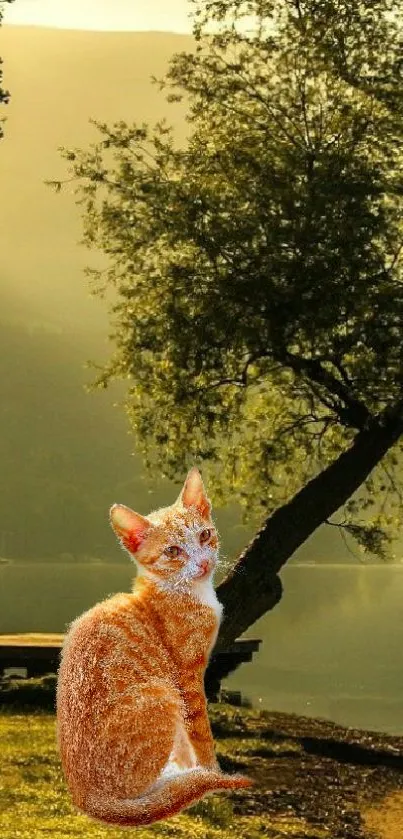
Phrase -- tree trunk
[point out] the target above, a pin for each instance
(252, 587)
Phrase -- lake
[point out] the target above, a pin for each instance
(331, 648)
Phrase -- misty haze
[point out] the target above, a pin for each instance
(67, 455)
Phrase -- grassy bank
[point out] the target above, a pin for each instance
(314, 780)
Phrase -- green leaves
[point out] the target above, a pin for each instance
(258, 269)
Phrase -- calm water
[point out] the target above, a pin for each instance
(332, 648)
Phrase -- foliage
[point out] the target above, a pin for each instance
(4, 94)
(257, 271)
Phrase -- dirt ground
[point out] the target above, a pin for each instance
(322, 779)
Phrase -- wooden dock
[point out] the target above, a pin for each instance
(39, 654)
(36, 652)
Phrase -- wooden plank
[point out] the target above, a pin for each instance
(45, 639)
(39, 652)
(243, 644)
(32, 639)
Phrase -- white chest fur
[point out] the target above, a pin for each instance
(204, 591)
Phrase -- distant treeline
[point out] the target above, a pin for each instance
(64, 453)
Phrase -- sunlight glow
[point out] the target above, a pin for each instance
(102, 15)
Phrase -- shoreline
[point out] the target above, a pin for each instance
(329, 780)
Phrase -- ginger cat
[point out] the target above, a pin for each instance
(132, 725)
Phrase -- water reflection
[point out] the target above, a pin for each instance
(332, 648)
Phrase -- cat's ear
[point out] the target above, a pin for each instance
(193, 494)
(130, 527)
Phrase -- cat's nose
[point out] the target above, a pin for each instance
(204, 566)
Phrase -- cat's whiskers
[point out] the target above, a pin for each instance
(227, 564)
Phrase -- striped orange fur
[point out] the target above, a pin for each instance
(132, 726)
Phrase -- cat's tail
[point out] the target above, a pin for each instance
(166, 797)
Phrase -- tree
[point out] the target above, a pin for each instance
(257, 273)
(4, 94)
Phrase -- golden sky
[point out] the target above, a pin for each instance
(169, 15)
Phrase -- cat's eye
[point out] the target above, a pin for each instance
(205, 536)
(172, 550)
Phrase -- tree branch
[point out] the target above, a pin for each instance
(355, 413)
(253, 580)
